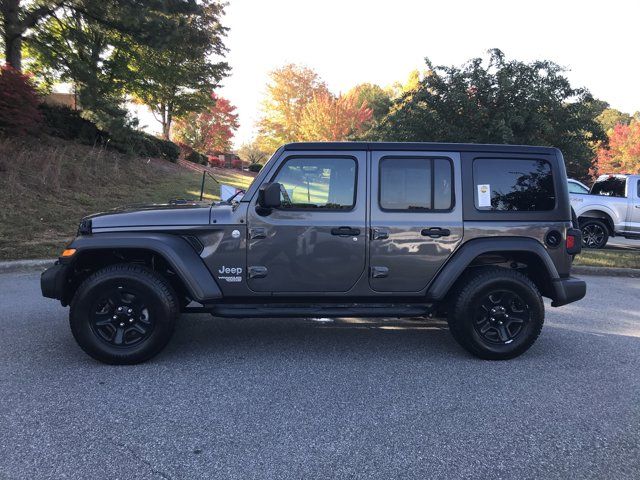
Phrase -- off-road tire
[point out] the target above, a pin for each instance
(468, 296)
(594, 226)
(156, 293)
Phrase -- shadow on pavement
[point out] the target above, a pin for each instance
(203, 335)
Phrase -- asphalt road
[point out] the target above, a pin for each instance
(294, 399)
(621, 243)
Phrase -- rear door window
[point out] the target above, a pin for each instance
(416, 184)
(504, 184)
(610, 187)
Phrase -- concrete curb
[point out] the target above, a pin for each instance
(37, 265)
(605, 271)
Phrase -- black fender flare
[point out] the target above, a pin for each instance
(463, 257)
(178, 253)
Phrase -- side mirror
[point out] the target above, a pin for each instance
(269, 195)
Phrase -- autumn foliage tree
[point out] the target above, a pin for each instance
(210, 130)
(328, 118)
(623, 152)
(19, 112)
(289, 91)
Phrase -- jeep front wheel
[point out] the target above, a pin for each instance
(123, 314)
(497, 313)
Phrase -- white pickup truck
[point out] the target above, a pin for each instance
(611, 208)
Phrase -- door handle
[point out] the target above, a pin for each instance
(637, 206)
(378, 233)
(257, 232)
(345, 232)
(435, 232)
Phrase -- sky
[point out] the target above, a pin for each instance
(352, 41)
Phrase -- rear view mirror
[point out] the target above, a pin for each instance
(269, 195)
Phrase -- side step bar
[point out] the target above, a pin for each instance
(320, 310)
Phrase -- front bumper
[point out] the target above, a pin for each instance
(53, 281)
(568, 290)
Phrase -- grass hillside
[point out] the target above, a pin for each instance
(47, 185)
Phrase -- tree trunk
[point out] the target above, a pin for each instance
(167, 118)
(13, 30)
(13, 52)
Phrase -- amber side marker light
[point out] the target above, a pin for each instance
(68, 252)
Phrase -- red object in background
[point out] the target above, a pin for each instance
(19, 102)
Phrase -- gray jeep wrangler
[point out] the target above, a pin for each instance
(476, 233)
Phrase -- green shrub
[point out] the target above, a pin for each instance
(168, 149)
(67, 123)
(255, 167)
(196, 157)
(145, 145)
(193, 156)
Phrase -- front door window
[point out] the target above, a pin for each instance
(318, 183)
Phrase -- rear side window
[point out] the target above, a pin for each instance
(416, 184)
(610, 187)
(505, 184)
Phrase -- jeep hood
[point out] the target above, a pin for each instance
(152, 215)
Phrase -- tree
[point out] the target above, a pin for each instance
(610, 117)
(153, 23)
(252, 153)
(111, 48)
(179, 78)
(397, 89)
(18, 17)
(498, 101)
(211, 130)
(290, 89)
(18, 103)
(71, 46)
(622, 155)
(374, 97)
(327, 118)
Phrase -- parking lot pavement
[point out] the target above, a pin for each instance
(621, 243)
(323, 399)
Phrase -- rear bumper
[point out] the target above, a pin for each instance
(53, 281)
(568, 290)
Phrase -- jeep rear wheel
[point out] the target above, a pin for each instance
(123, 314)
(497, 314)
(595, 233)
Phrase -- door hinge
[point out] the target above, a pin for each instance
(379, 272)
(257, 272)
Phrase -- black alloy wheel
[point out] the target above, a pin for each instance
(495, 313)
(124, 314)
(501, 317)
(121, 318)
(594, 234)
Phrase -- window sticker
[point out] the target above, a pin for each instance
(484, 195)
